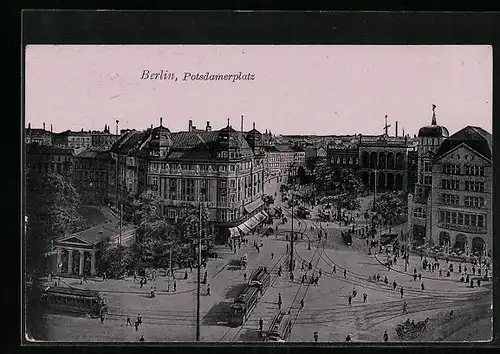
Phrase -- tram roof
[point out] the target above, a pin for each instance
(72, 291)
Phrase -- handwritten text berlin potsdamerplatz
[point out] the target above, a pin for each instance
(165, 75)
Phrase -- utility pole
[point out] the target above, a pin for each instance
(292, 235)
(169, 266)
(198, 284)
(121, 217)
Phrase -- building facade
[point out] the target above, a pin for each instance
(429, 139)
(90, 175)
(103, 139)
(45, 159)
(461, 214)
(343, 155)
(39, 136)
(223, 169)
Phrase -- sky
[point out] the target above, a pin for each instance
(313, 89)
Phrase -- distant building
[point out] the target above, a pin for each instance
(74, 140)
(343, 154)
(103, 139)
(45, 159)
(39, 136)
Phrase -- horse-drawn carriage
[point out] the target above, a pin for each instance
(411, 330)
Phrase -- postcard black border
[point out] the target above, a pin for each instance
(278, 28)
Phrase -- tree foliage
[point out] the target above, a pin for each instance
(340, 185)
(51, 211)
(391, 206)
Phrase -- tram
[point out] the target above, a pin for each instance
(260, 278)
(88, 302)
(280, 328)
(243, 306)
(303, 212)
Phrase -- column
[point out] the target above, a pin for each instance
(92, 263)
(70, 260)
(59, 256)
(82, 254)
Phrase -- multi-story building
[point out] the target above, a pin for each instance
(299, 159)
(460, 213)
(223, 169)
(74, 140)
(44, 159)
(90, 175)
(387, 158)
(272, 166)
(429, 139)
(343, 154)
(40, 136)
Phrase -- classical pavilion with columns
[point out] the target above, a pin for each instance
(77, 253)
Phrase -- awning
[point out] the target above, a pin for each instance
(234, 232)
(266, 215)
(251, 223)
(250, 207)
(243, 229)
(260, 216)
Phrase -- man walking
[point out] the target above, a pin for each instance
(402, 292)
(404, 308)
(365, 296)
(386, 336)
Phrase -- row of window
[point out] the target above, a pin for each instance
(427, 180)
(454, 184)
(450, 199)
(458, 218)
(469, 170)
(187, 167)
(420, 213)
(344, 160)
(451, 169)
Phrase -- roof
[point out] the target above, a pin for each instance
(297, 148)
(271, 148)
(433, 131)
(71, 291)
(96, 234)
(69, 132)
(37, 131)
(284, 148)
(35, 148)
(475, 138)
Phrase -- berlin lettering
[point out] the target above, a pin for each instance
(159, 75)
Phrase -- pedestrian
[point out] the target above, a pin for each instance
(141, 283)
(287, 247)
(320, 272)
(334, 269)
(402, 292)
(467, 278)
(261, 324)
(345, 273)
(102, 318)
(291, 276)
(136, 325)
(316, 336)
(279, 297)
(354, 292)
(394, 285)
(348, 338)
(303, 279)
(404, 307)
(419, 276)
(208, 289)
(422, 286)
(279, 304)
(378, 277)
(175, 285)
(245, 277)
(272, 255)
(386, 336)
(386, 281)
(479, 282)
(365, 296)
(139, 319)
(349, 300)
(440, 273)
(142, 338)
(128, 321)
(301, 304)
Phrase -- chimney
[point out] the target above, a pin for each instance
(228, 122)
(190, 125)
(242, 123)
(43, 125)
(254, 125)
(208, 128)
(117, 121)
(396, 129)
(51, 128)
(29, 125)
(161, 122)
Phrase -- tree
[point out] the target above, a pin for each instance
(391, 206)
(312, 163)
(268, 199)
(302, 176)
(51, 212)
(341, 186)
(114, 260)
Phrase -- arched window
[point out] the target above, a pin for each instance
(338, 160)
(344, 161)
(350, 160)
